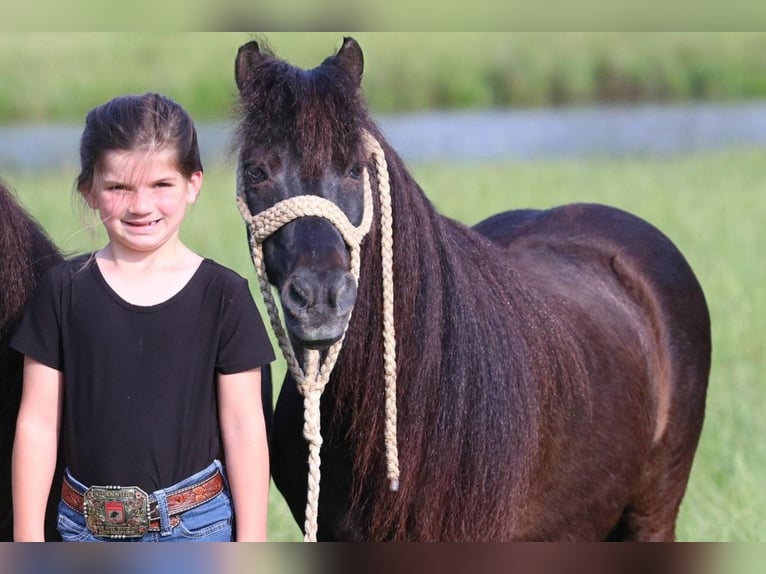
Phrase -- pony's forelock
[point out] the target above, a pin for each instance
(319, 111)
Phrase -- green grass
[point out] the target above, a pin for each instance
(60, 76)
(711, 205)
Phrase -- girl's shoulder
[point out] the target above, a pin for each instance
(228, 280)
(215, 270)
(59, 278)
(68, 268)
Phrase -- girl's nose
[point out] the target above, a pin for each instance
(141, 201)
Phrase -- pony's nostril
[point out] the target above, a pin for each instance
(342, 295)
(322, 296)
(298, 294)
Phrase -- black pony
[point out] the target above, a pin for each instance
(25, 252)
(553, 364)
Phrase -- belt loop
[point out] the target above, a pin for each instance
(162, 509)
(218, 465)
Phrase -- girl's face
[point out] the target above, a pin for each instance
(141, 198)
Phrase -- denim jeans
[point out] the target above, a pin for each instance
(211, 521)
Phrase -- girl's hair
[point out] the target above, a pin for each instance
(149, 122)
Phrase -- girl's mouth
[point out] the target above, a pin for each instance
(142, 223)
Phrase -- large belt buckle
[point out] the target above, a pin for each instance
(116, 511)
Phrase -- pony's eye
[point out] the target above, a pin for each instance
(355, 171)
(256, 175)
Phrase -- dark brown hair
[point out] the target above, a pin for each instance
(133, 122)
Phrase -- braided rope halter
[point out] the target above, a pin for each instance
(312, 379)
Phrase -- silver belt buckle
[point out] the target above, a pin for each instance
(116, 511)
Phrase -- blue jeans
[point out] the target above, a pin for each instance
(211, 521)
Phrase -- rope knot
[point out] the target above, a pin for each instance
(312, 418)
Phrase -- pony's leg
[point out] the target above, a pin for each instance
(681, 324)
(651, 515)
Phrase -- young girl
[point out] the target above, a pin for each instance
(144, 357)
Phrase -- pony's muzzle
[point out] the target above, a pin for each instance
(317, 305)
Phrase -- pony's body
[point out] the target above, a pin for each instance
(608, 455)
(552, 365)
(25, 252)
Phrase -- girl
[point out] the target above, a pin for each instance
(144, 357)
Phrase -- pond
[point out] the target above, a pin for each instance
(476, 135)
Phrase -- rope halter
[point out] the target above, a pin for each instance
(312, 378)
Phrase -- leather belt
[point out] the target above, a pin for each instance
(178, 502)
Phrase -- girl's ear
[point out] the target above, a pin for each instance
(194, 185)
(90, 197)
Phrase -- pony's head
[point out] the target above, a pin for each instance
(301, 134)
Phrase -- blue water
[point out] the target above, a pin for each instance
(476, 135)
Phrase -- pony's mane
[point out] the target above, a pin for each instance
(26, 252)
(319, 110)
(468, 367)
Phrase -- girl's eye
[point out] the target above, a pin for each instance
(256, 175)
(355, 171)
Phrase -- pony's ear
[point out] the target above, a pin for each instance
(247, 56)
(351, 59)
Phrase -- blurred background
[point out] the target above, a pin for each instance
(670, 126)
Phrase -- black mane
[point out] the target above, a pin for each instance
(318, 110)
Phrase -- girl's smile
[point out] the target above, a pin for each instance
(141, 224)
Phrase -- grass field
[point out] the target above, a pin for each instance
(60, 76)
(710, 205)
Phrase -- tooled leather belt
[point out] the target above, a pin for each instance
(178, 502)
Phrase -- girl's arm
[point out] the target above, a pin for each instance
(243, 430)
(35, 448)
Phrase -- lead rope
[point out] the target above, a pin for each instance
(312, 381)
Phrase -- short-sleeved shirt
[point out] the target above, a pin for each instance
(140, 382)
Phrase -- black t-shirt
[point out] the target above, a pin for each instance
(140, 403)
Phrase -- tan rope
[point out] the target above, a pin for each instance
(312, 381)
(389, 333)
(312, 434)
